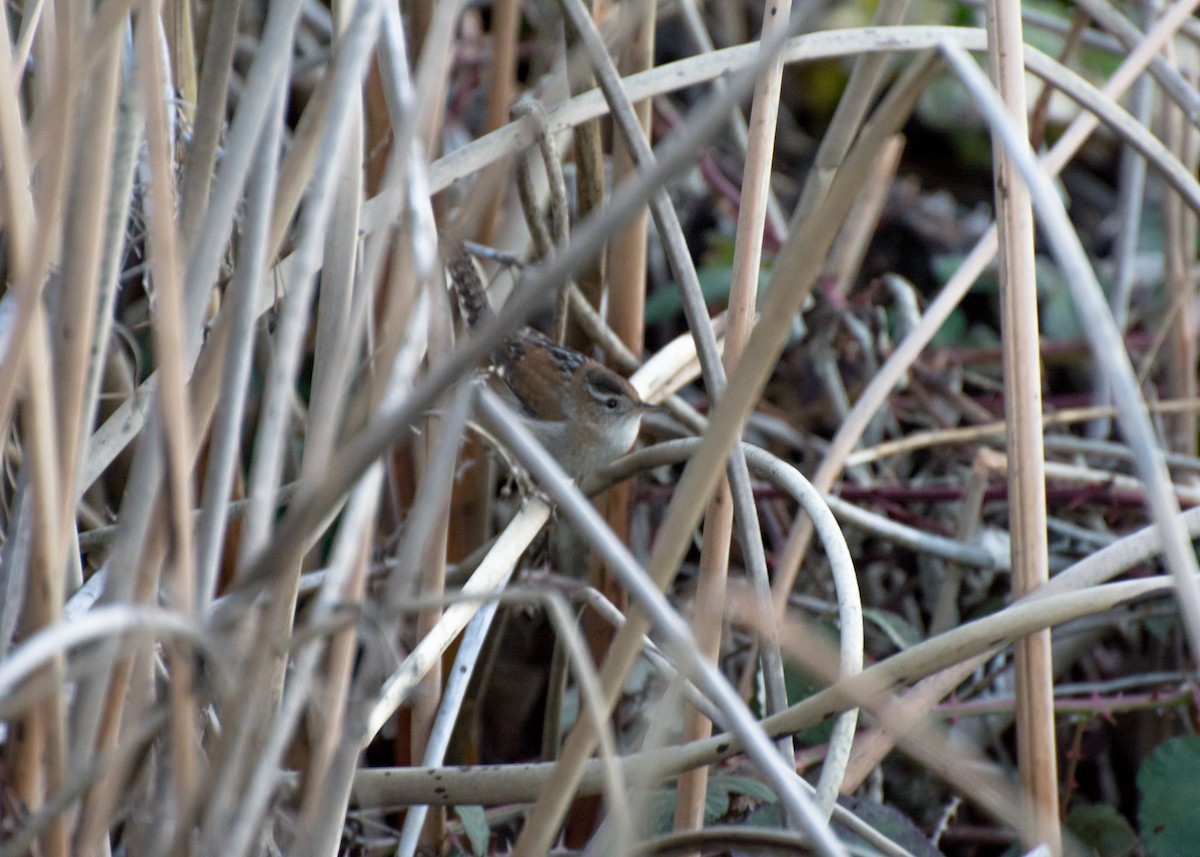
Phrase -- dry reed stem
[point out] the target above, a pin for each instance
(709, 610)
(1020, 332)
(589, 188)
(624, 266)
(1179, 255)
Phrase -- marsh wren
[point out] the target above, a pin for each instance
(585, 414)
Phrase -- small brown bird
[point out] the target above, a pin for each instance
(585, 414)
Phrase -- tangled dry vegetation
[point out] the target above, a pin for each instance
(281, 575)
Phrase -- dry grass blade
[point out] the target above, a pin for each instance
(237, 545)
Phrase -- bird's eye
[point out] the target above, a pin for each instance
(612, 403)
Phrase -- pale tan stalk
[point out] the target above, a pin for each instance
(945, 612)
(29, 225)
(299, 163)
(589, 189)
(174, 408)
(990, 431)
(1179, 257)
(861, 90)
(700, 35)
(846, 257)
(45, 749)
(624, 263)
(98, 725)
(709, 610)
(501, 91)
(42, 753)
(177, 21)
(209, 115)
(627, 250)
(77, 356)
(1036, 751)
(708, 621)
(431, 580)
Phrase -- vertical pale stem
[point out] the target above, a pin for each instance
(501, 82)
(334, 690)
(861, 90)
(589, 187)
(428, 697)
(1179, 256)
(74, 316)
(46, 720)
(707, 623)
(173, 400)
(43, 755)
(627, 256)
(208, 116)
(505, 20)
(708, 615)
(177, 23)
(1023, 413)
(626, 265)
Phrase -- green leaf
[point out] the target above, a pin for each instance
(893, 824)
(953, 331)
(1170, 791)
(714, 285)
(1058, 316)
(475, 824)
(1162, 628)
(900, 631)
(658, 810)
(1103, 828)
(734, 784)
(716, 803)
(658, 806)
(800, 685)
